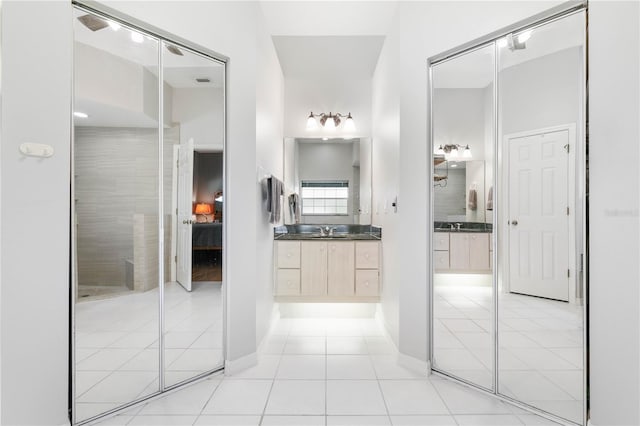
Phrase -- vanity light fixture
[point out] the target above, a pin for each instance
(331, 121)
(451, 151)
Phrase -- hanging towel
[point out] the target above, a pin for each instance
(490, 199)
(274, 193)
(473, 199)
(294, 207)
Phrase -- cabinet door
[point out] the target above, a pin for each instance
(367, 282)
(288, 254)
(479, 251)
(441, 260)
(313, 268)
(288, 282)
(367, 254)
(441, 241)
(341, 271)
(459, 251)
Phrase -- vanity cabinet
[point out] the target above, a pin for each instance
(327, 271)
(462, 251)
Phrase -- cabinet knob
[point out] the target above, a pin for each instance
(333, 248)
(288, 254)
(366, 255)
(290, 284)
(366, 283)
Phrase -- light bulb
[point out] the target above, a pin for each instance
(330, 124)
(137, 37)
(454, 152)
(349, 125)
(467, 152)
(114, 25)
(524, 36)
(312, 124)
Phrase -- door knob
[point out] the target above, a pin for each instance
(514, 222)
(185, 222)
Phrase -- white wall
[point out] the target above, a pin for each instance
(269, 159)
(35, 251)
(200, 114)
(614, 108)
(343, 96)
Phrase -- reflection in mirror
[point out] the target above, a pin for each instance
(541, 324)
(327, 181)
(462, 108)
(193, 204)
(115, 162)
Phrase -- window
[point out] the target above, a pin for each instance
(325, 197)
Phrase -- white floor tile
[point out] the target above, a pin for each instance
(198, 360)
(228, 421)
(528, 386)
(239, 397)
(423, 421)
(386, 367)
(115, 421)
(163, 420)
(293, 421)
(302, 367)
(488, 420)
(379, 346)
(119, 387)
(350, 367)
(266, 369)
(533, 420)
(412, 397)
(305, 345)
(190, 400)
(85, 380)
(346, 346)
(297, 397)
(358, 421)
(358, 397)
(462, 400)
(107, 359)
(135, 340)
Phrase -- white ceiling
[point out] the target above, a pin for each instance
(341, 18)
(328, 57)
(329, 140)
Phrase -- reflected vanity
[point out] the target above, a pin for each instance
(507, 287)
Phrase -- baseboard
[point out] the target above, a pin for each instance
(240, 364)
(413, 364)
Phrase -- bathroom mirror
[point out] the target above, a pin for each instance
(116, 238)
(541, 302)
(330, 178)
(149, 215)
(193, 213)
(462, 114)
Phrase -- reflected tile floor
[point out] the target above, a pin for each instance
(117, 355)
(540, 343)
(326, 372)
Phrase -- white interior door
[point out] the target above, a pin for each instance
(185, 194)
(538, 215)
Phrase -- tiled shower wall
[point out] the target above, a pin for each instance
(117, 205)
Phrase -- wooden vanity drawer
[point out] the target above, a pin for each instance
(367, 282)
(441, 241)
(367, 254)
(288, 254)
(288, 282)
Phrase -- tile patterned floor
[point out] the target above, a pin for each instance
(117, 354)
(540, 345)
(329, 372)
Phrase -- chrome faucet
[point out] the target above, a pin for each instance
(453, 228)
(458, 225)
(326, 231)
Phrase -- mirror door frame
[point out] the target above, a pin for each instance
(162, 37)
(579, 257)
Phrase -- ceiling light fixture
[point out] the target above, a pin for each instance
(522, 37)
(451, 151)
(331, 121)
(80, 114)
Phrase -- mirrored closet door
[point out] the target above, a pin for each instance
(148, 203)
(508, 204)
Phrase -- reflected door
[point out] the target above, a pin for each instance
(185, 197)
(538, 212)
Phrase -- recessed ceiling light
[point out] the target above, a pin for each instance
(80, 114)
(137, 37)
(114, 25)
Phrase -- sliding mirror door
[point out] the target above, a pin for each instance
(541, 297)
(463, 161)
(116, 198)
(193, 191)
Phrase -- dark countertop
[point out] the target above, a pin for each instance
(337, 237)
(472, 227)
